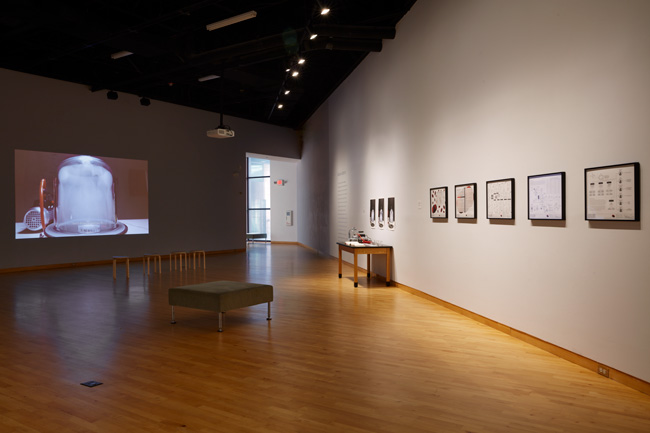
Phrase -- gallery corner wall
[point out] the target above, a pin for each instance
(475, 91)
(196, 183)
(314, 191)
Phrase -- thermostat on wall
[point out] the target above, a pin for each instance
(289, 218)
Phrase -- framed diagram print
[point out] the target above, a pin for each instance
(438, 203)
(500, 199)
(373, 214)
(546, 194)
(391, 213)
(465, 200)
(612, 193)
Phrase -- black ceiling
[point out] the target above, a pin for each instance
(73, 41)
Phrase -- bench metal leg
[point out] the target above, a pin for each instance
(221, 321)
(173, 320)
(268, 316)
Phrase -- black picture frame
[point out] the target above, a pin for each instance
(547, 196)
(465, 200)
(613, 192)
(500, 199)
(438, 202)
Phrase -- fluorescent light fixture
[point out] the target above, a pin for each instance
(208, 77)
(228, 21)
(120, 54)
(325, 11)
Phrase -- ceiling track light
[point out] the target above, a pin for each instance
(208, 77)
(112, 95)
(120, 54)
(295, 73)
(232, 20)
(325, 11)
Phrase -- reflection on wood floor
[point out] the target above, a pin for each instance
(333, 359)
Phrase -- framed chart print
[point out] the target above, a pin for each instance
(438, 203)
(546, 194)
(612, 193)
(465, 200)
(500, 199)
(373, 214)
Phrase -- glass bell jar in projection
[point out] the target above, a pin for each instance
(84, 202)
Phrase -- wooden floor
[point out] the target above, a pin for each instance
(333, 359)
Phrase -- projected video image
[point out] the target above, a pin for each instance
(61, 195)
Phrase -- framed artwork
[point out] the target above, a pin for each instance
(500, 199)
(391, 213)
(546, 196)
(612, 193)
(373, 214)
(465, 200)
(438, 203)
(380, 210)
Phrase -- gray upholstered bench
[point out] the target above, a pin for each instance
(221, 296)
(253, 236)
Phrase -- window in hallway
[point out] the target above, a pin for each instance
(259, 196)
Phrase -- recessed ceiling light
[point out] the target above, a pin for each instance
(286, 92)
(325, 11)
(280, 106)
(314, 36)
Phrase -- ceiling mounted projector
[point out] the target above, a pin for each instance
(221, 132)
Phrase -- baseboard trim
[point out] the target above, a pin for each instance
(307, 247)
(614, 374)
(99, 262)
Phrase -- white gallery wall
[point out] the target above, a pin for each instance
(472, 91)
(196, 184)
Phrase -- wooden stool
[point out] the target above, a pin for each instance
(180, 255)
(115, 259)
(147, 257)
(199, 253)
